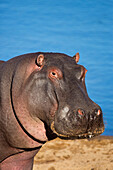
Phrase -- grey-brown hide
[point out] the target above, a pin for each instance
(42, 96)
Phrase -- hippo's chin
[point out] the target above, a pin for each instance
(78, 136)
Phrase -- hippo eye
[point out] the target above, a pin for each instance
(83, 72)
(54, 73)
(80, 72)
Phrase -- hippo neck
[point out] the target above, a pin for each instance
(20, 160)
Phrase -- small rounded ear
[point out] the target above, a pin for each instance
(40, 61)
(76, 57)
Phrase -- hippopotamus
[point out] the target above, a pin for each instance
(43, 96)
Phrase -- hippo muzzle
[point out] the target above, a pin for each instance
(78, 123)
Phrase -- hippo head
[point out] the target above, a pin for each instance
(54, 92)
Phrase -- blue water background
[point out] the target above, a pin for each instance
(66, 26)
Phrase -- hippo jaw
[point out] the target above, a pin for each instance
(78, 136)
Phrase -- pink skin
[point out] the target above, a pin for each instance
(21, 161)
(36, 127)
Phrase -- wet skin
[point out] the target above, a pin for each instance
(42, 96)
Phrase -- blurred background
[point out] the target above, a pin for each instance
(65, 26)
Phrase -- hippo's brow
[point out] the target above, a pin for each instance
(38, 76)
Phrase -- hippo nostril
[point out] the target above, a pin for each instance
(97, 112)
(81, 112)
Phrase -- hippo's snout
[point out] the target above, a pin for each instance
(78, 123)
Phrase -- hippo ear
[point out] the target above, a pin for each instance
(76, 57)
(40, 61)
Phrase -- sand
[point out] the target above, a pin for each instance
(83, 154)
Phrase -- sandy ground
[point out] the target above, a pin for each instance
(96, 154)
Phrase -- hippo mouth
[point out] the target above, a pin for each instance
(78, 136)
